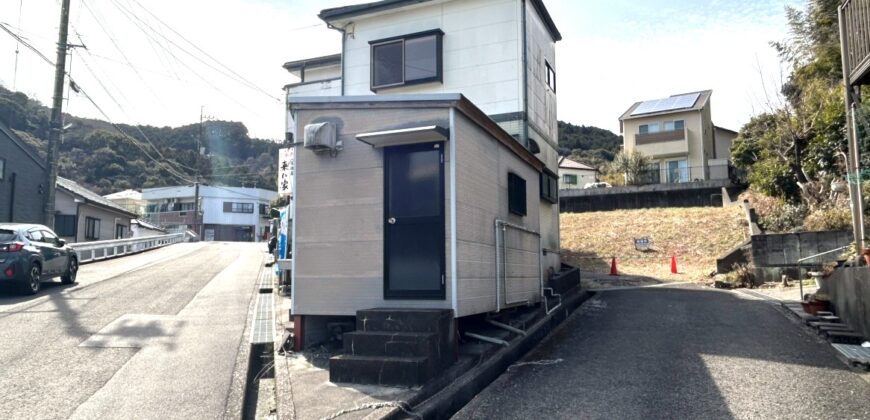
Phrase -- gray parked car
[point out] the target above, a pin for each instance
(30, 254)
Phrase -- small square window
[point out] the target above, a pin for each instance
(516, 194)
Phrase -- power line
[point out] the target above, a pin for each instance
(237, 78)
(80, 90)
(248, 82)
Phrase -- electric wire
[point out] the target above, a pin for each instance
(242, 78)
(132, 139)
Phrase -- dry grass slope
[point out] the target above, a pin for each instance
(696, 236)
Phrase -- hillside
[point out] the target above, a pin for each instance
(96, 154)
(696, 236)
(591, 145)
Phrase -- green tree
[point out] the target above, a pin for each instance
(632, 164)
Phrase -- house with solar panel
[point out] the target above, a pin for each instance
(426, 187)
(678, 133)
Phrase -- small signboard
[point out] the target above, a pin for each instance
(643, 244)
(286, 158)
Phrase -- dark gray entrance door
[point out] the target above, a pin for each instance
(414, 222)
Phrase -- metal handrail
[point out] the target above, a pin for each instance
(100, 250)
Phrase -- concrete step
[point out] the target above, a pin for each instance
(379, 370)
(404, 320)
(397, 344)
(845, 337)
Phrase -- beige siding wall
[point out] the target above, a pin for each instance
(339, 216)
(723, 140)
(699, 138)
(482, 168)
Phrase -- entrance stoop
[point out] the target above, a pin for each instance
(396, 347)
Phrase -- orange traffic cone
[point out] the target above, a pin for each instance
(673, 264)
(613, 267)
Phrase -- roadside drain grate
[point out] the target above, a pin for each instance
(262, 328)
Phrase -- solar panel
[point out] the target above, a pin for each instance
(667, 104)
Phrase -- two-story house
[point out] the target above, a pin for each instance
(426, 164)
(678, 133)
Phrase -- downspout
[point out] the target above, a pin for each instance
(12, 197)
(525, 79)
(343, 38)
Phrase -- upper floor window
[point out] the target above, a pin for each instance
(551, 76)
(649, 128)
(516, 194)
(230, 207)
(406, 60)
(674, 125)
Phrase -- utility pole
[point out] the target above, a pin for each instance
(196, 218)
(54, 136)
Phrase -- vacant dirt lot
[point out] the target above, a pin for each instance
(696, 236)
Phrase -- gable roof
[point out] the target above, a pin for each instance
(133, 194)
(7, 132)
(703, 100)
(566, 163)
(91, 197)
(726, 129)
(345, 12)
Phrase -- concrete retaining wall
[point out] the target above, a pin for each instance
(699, 194)
(849, 289)
(785, 249)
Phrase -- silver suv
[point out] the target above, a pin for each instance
(30, 254)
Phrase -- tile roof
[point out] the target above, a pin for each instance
(570, 164)
(90, 196)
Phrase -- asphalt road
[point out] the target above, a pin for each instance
(680, 352)
(154, 335)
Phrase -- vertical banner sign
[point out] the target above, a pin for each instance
(282, 235)
(285, 171)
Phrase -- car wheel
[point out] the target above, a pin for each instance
(71, 270)
(32, 281)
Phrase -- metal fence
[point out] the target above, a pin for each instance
(100, 250)
(678, 175)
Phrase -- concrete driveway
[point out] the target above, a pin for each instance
(676, 352)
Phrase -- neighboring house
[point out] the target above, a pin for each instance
(574, 175)
(677, 132)
(22, 175)
(83, 215)
(141, 228)
(128, 199)
(724, 139)
(452, 103)
(227, 213)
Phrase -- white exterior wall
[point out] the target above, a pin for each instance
(542, 100)
(584, 176)
(481, 51)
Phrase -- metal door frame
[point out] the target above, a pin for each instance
(440, 294)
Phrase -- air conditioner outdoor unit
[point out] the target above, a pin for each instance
(321, 137)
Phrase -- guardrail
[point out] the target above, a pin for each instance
(100, 250)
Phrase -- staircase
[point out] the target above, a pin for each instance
(396, 347)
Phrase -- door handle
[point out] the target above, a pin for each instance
(391, 220)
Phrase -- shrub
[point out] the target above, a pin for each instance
(741, 275)
(834, 218)
(786, 218)
(764, 205)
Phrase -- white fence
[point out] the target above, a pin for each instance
(100, 250)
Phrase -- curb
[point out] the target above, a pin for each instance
(450, 393)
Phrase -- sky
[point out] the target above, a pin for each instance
(162, 62)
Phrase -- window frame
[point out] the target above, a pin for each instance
(570, 179)
(92, 228)
(68, 219)
(2, 169)
(673, 123)
(439, 58)
(551, 81)
(517, 185)
(121, 231)
(238, 207)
